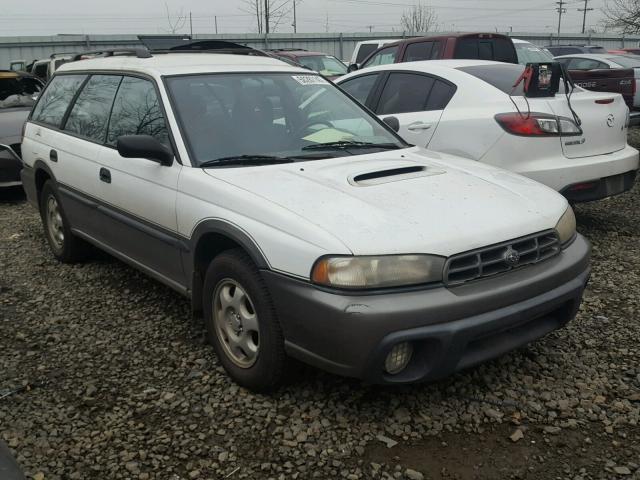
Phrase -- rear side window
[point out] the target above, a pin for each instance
(441, 93)
(360, 87)
(56, 99)
(137, 111)
(366, 50)
(405, 92)
(383, 57)
(419, 51)
(498, 49)
(586, 64)
(90, 113)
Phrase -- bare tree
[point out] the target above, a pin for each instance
(622, 15)
(419, 18)
(268, 13)
(177, 23)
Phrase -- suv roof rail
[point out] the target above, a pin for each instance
(62, 54)
(138, 52)
(214, 46)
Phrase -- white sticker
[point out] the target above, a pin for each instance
(309, 79)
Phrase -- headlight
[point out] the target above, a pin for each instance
(377, 271)
(566, 226)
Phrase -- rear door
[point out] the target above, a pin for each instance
(417, 100)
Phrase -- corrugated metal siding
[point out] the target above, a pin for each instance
(340, 45)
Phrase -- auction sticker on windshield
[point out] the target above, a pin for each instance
(309, 79)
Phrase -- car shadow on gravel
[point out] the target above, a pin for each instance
(12, 195)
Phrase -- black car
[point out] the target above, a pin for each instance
(18, 93)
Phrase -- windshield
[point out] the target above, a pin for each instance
(530, 53)
(283, 115)
(625, 61)
(17, 91)
(325, 64)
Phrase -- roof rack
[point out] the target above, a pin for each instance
(138, 52)
(287, 49)
(62, 54)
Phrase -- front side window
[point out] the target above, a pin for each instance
(18, 91)
(266, 117)
(90, 113)
(360, 87)
(405, 92)
(324, 64)
(385, 56)
(365, 50)
(137, 111)
(56, 99)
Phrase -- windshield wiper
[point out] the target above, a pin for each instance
(350, 144)
(246, 160)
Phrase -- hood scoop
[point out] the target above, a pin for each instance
(391, 175)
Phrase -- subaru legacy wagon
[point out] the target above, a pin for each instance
(299, 224)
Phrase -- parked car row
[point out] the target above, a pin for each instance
(380, 227)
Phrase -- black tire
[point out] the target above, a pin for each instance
(268, 370)
(69, 248)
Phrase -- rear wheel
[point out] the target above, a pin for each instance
(241, 322)
(65, 246)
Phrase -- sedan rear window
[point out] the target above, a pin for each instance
(502, 77)
(17, 91)
(625, 61)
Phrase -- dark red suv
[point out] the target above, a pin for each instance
(483, 46)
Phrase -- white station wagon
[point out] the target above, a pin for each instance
(299, 224)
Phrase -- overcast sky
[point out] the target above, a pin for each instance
(49, 17)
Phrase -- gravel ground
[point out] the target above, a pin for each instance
(121, 385)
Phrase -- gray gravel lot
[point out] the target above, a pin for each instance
(120, 384)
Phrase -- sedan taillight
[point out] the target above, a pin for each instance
(537, 125)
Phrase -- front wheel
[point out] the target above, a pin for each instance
(242, 324)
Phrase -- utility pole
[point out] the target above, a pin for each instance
(295, 23)
(584, 14)
(370, 27)
(190, 24)
(215, 21)
(560, 10)
(266, 16)
(326, 25)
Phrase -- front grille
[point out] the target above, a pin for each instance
(500, 258)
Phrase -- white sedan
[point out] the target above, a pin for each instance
(470, 108)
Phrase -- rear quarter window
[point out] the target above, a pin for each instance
(56, 98)
(498, 49)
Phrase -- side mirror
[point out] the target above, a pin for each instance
(393, 122)
(144, 146)
(353, 67)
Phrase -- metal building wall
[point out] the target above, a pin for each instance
(339, 44)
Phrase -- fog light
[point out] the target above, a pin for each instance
(398, 358)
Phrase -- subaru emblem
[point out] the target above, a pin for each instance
(511, 257)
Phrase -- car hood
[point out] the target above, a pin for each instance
(404, 201)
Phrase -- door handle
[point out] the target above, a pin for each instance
(105, 175)
(418, 126)
(53, 156)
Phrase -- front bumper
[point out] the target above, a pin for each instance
(10, 166)
(451, 329)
